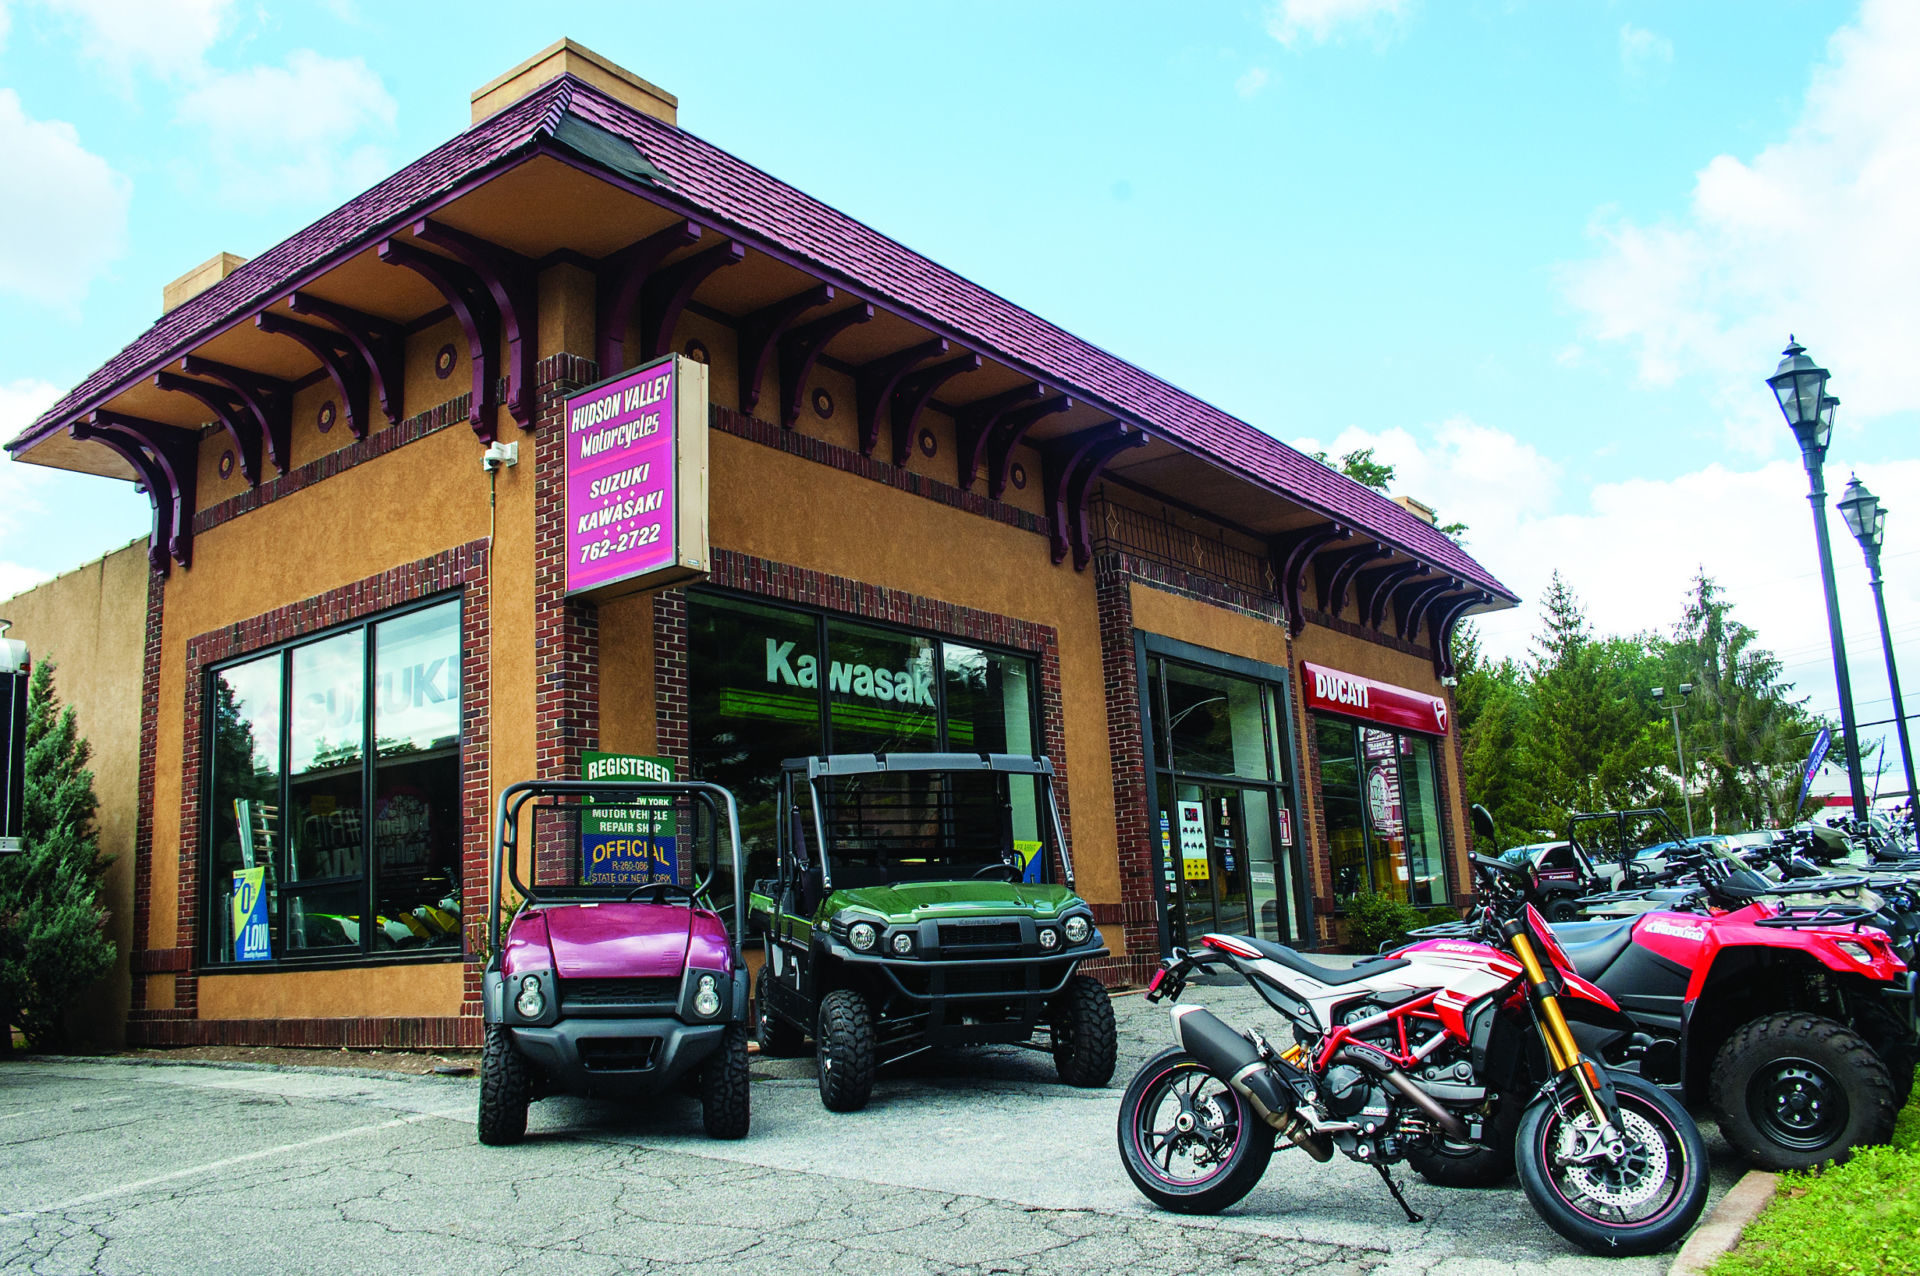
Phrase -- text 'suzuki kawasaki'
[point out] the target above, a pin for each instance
(1405, 1057)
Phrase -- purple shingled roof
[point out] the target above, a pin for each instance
(734, 192)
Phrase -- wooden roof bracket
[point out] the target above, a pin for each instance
(234, 417)
(622, 276)
(801, 348)
(269, 399)
(508, 279)
(1288, 554)
(875, 381)
(760, 334)
(336, 354)
(479, 319)
(167, 458)
(974, 425)
(1007, 435)
(381, 345)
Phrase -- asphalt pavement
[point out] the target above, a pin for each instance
(974, 1161)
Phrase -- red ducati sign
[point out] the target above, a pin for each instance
(1331, 691)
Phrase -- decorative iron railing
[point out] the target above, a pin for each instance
(1160, 538)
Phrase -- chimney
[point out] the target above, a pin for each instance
(198, 280)
(564, 57)
(1422, 512)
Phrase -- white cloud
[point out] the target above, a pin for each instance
(1318, 21)
(65, 216)
(1251, 82)
(1814, 235)
(20, 403)
(168, 38)
(297, 131)
(1644, 54)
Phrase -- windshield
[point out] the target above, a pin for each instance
(919, 826)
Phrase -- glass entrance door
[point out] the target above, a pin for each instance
(1218, 833)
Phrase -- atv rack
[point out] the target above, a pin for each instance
(1797, 916)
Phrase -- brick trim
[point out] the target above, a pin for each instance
(159, 1028)
(1366, 633)
(157, 961)
(464, 568)
(1138, 913)
(377, 444)
(149, 742)
(566, 631)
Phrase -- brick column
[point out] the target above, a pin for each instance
(566, 634)
(1139, 909)
(143, 815)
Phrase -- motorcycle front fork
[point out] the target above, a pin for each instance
(1563, 1053)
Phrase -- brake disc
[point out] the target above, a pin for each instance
(1638, 1176)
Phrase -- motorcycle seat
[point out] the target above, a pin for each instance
(1592, 946)
(1326, 974)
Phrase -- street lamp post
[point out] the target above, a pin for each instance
(1800, 385)
(1867, 520)
(1659, 695)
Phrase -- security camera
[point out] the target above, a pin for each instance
(499, 456)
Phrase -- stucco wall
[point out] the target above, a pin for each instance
(92, 623)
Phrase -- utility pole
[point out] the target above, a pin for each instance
(1659, 697)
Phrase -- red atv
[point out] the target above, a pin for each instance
(1794, 1023)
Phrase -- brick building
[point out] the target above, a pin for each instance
(356, 633)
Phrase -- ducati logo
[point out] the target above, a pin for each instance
(1440, 712)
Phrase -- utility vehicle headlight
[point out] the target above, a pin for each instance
(1049, 938)
(1077, 929)
(531, 1003)
(706, 997)
(903, 943)
(863, 936)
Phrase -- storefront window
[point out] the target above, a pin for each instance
(1383, 823)
(336, 841)
(768, 683)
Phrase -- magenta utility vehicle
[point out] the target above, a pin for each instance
(617, 977)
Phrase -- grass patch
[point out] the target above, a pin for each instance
(1859, 1218)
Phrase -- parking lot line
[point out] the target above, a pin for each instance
(225, 1163)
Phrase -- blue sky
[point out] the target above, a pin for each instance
(1539, 254)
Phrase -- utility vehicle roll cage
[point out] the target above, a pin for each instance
(840, 765)
(503, 867)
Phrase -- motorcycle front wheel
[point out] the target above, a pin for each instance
(1639, 1206)
(1190, 1144)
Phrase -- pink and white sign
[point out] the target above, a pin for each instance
(630, 476)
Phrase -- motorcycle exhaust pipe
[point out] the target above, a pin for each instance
(1367, 1058)
(1232, 1058)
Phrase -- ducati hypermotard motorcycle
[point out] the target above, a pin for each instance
(1410, 1056)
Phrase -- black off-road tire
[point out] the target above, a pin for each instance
(778, 1039)
(1894, 1043)
(1562, 909)
(1777, 1061)
(506, 1088)
(845, 1051)
(1085, 1042)
(1449, 1164)
(724, 1100)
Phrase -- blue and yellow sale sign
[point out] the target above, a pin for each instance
(632, 844)
(252, 937)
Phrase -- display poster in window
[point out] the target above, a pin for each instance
(636, 480)
(1286, 827)
(1028, 853)
(633, 843)
(1166, 846)
(1383, 798)
(1195, 867)
(252, 937)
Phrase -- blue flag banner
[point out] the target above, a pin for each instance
(1815, 757)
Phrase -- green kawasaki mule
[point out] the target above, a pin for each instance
(914, 909)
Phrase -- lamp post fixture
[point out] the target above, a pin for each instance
(1659, 696)
(1800, 385)
(1867, 520)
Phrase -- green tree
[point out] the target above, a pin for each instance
(52, 924)
(1746, 735)
(1360, 466)
(1493, 712)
